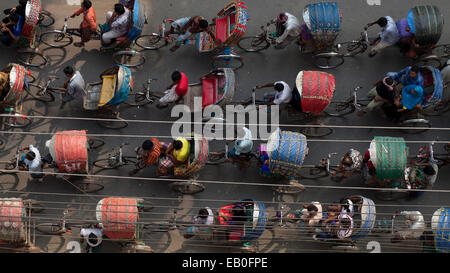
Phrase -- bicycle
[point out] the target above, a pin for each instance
(143, 97)
(45, 18)
(61, 227)
(44, 92)
(115, 160)
(426, 154)
(14, 118)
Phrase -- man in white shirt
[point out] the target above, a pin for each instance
(389, 35)
(118, 21)
(288, 28)
(73, 87)
(415, 226)
(93, 238)
(32, 162)
(283, 95)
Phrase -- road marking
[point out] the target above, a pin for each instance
(74, 247)
(78, 2)
(374, 2)
(374, 246)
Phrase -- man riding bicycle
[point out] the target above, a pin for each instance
(288, 30)
(89, 24)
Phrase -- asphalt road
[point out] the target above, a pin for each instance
(260, 68)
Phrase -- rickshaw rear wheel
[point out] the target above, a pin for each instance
(129, 58)
(421, 123)
(89, 187)
(190, 187)
(328, 60)
(31, 58)
(339, 108)
(438, 109)
(352, 48)
(56, 38)
(430, 60)
(50, 228)
(151, 42)
(316, 131)
(293, 187)
(216, 158)
(95, 142)
(137, 99)
(45, 19)
(119, 124)
(228, 61)
(35, 91)
(253, 43)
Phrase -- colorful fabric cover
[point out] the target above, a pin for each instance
(17, 81)
(367, 219)
(194, 165)
(123, 86)
(138, 16)
(440, 223)
(12, 220)
(286, 150)
(71, 151)
(316, 90)
(32, 12)
(426, 22)
(433, 85)
(324, 22)
(389, 157)
(119, 217)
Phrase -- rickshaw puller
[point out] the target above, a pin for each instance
(288, 30)
(388, 36)
(74, 86)
(89, 24)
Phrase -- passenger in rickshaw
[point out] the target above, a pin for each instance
(31, 161)
(118, 22)
(312, 214)
(176, 154)
(147, 155)
(89, 24)
(340, 228)
(415, 225)
(283, 95)
(176, 91)
(408, 76)
(243, 146)
(19, 10)
(288, 30)
(412, 97)
(233, 216)
(11, 30)
(351, 162)
(205, 217)
(388, 36)
(382, 93)
(93, 237)
(73, 87)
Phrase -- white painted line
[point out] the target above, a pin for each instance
(78, 2)
(374, 2)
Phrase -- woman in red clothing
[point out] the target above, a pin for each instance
(89, 24)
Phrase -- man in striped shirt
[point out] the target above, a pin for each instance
(147, 155)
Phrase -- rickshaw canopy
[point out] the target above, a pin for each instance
(139, 19)
(389, 156)
(71, 151)
(118, 216)
(286, 151)
(12, 220)
(323, 21)
(440, 223)
(433, 85)
(17, 82)
(316, 90)
(426, 22)
(367, 221)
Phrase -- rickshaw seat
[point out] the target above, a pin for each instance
(108, 89)
(209, 91)
(222, 28)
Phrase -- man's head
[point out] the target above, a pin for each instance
(69, 71)
(87, 4)
(23, 3)
(203, 24)
(119, 9)
(428, 170)
(14, 18)
(30, 156)
(414, 72)
(176, 76)
(177, 144)
(382, 22)
(282, 17)
(147, 145)
(203, 213)
(312, 209)
(279, 87)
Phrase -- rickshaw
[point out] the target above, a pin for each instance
(105, 96)
(363, 222)
(119, 219)
(401, 226)
(16, 224)
(28, 53)
(125, 54)
(69, 153)
(229, 26)
(440, 224)
(13, 95)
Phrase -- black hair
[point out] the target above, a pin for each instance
(30, 156)
(428, 170)
(87, 4)
(415, 68)
(382, 22)
(147, 145)
(177, 144)
(119, 9)
(176, 76)
(389, 81)
(311, 207)
(68, 70)
(203, 24)
(279, 87)
(14, 17)
(23, 2)
(203, 213)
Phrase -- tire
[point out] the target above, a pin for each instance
(430, 60)
(45, 19)
(56, 38)
(31, 58)
(324, 60)
(89, 187)
(253, 43)
(7, 184)
(339, 108)
(120, 124)
(129, 58)
(18, 121)
(151, 42)
(8, 166)
(137, 99)
(316, 131)
(34, 91)
(352, 48)
(438, 109)
(50, 228)
(313, 173)
(228, 61)
(422, 123)
(292, 188)
(391, 195)
(107, 164)
(216, 158)
(190, 187)
(95, 142)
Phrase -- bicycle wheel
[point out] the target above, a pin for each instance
(56, 38)
(129, 58)
(151, 41)
(438, 109)
(423, 124)
(216, 158)
(137, 99)
(31, 58)
(8, 181)
(36, 92)
(292, 188)
(253, 43)
(30, 78)
(316, 131)
(391, 195)
(118, 123)
(313, 173)
(228, 61)
(89, 186)
(50, 228)
(328, 60)
(190, 187)
(352, 48)
(108, 163)
(339, 108)
(45, 19)
(95, 142)
(430, 60)
(17, 121)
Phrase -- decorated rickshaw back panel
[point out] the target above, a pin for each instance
(119, 217)
(227, 84)
(32, 11)
(200, 157)
(367, 220)
(16, 83)
(138, 18)
(433, 85)
(391, 157)
(123, 86)
(316, 90)
(442, 233)
(257, 220)
(288, 154)
(71, 151)
(426, 22)
(12, 220)
(324, 22)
